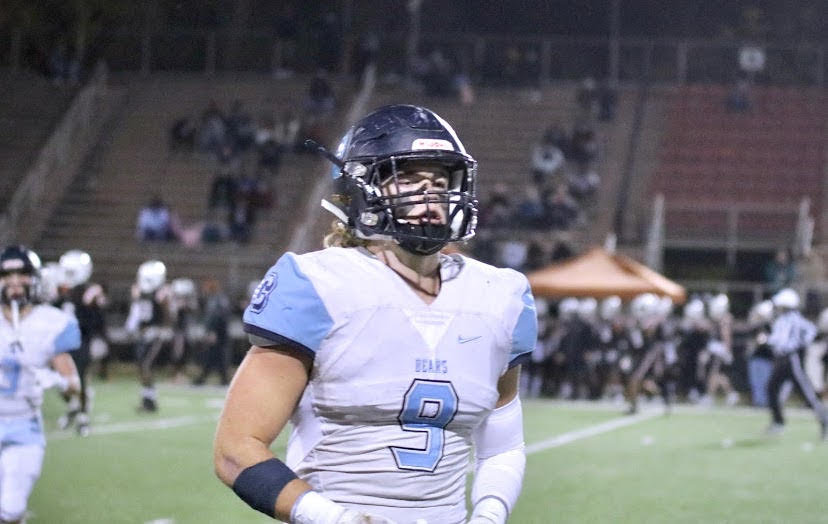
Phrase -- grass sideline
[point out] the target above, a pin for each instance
(692, 466)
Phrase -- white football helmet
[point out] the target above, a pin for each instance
(587, 308)
(694, 310)
(718, 306)
(644, 306)
(151, 275)
(568, 308)
(611, 307)
(183, 288)
(761, 313)
(77, 267)
(51, 278)
(665, 307)
(786, 299)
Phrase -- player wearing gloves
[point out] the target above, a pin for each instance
(34, 341)
(392, 361)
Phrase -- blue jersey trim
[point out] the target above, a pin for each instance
(286, 306)
(525, 333)
(278, 340)
(523, 358)
(69, 339)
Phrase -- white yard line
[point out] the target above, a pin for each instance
(589, 431)
(137, 425)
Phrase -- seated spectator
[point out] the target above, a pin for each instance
(780, 272)
(607, 102)
(561, 210)
(497, 211)
(584, 147)
(548, 156)
(320, 101)
(529, 211)
(240, 127)
(154, 221)
(212, 129)
(586, 98)
(738, 100)
(182, 135)
(583, 184)
(268, 148)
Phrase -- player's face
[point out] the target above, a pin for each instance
(426, 184)
(15, 286)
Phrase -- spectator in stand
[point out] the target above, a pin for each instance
(268, 147)
(548, 156)
(529, 212)
(586, 98)
(225, 182)
(780, 272)
(288, 131)
(497, 212)
(738, 99)
(155, 221)
(584, 148)
(561, 210)
(240, 129)
(607, 102)
(213, 129)
(182, 135)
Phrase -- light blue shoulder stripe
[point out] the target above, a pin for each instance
(525, 332)
(286, 305)
(69, 339)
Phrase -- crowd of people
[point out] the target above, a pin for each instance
(699, 353)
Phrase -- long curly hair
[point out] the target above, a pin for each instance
(341, 236)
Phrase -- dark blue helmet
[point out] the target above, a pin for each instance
(376, 150)
(19, 259)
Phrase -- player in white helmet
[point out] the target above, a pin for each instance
(759, 353)
(616, 348)
(35, 339)
(148, 322)
(87, 301)
(720, 351)
(790, 335)
(183, 310)
(651, 370)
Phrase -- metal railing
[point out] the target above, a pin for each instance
(56, 163)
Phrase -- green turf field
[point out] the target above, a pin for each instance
(693, 466)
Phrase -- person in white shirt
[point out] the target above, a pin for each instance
(34, 341)
(392, 360)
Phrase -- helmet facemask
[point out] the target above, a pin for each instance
(423, 200)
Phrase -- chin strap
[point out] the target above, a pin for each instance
(423, 239)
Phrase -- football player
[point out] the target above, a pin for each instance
(86, 301)
(392, 360)
(146, 321)
(34, 341)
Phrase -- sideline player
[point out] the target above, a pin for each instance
(391, 359)
(34, 341)
(86, 301)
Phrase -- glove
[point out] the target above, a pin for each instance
(489, 511)
(313, 508)
(47, 378)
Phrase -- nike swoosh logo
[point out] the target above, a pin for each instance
(462, 340)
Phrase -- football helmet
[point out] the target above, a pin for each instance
(786, 299)
(183, 288)
(611, 307)
(568, 308)
(369, 198)
(151, 275)
(52, 276)
(77, 267)
(718, 306)
(644, 307)
(20, 259)
(587, 308)
(694, 310)
(761, 313)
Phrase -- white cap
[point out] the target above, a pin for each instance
(151, 275)
(77, 267)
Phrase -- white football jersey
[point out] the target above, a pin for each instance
(43, 333)
(397, 386)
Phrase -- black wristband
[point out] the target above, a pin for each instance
(260, 484)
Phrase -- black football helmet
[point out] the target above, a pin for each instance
(19, 259)
(375, 151)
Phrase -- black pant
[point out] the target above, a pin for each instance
(789, 367)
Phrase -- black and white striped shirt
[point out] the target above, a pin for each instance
(791, 332)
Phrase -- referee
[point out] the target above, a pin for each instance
(790, 335)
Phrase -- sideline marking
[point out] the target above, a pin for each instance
(590, 431)
(137, 425)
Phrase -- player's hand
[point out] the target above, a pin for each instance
(489, 511)
(47, 378)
